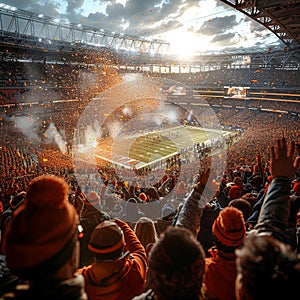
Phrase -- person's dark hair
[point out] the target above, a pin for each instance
(243, 205)
(176, 265)
(220, 246)
(268, 269)
(152, 193)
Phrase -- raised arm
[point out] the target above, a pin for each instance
(192, 209)
(275, 209)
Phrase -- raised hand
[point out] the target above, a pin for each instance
(283, 163)
(203, 181)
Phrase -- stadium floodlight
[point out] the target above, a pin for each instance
(56, 20)
(40, 15)
(79, 25)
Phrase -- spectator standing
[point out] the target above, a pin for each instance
(229, 231)
(120, 263)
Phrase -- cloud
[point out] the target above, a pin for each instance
(96, 19)
(170, 25)
(142, 17)
(74, 5)
(224, 39)
(255, 26)
(49, 8)
(218, 25)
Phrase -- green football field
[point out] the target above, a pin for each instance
(141, 149)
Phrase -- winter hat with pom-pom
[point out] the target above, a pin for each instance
(229, 227)
(43, 230)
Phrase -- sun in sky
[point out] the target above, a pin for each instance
(183, 43)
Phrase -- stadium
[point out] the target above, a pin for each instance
(120, 115)
(243, 85)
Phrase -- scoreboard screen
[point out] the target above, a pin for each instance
(236, 92)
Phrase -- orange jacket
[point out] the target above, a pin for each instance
(220, 275)
(130, 278)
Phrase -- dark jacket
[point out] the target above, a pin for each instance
(275, 210)
(191, 211)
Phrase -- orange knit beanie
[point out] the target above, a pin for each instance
(41, 227)
(229, 227)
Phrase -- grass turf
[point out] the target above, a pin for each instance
(149, 147)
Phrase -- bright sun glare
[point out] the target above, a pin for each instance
(184, 44)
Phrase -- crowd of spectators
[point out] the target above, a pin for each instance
(33, 81)
(206, 251)
(253, 77)
(144, 208)
(23, 158)
(280, 108)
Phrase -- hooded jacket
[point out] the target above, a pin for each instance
(118, 279)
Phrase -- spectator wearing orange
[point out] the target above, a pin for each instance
(229, 231)
(120, 263)
(41, 243)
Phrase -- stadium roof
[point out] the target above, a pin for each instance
(280, 17)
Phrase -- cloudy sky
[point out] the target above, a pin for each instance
(189, 25)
